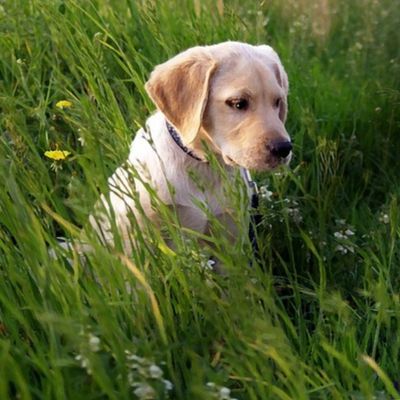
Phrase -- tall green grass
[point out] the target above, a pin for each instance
(317, 317)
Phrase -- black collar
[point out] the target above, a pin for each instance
(177, 139)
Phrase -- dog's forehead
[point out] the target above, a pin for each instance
(240, 73)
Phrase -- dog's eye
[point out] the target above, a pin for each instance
(239, 103)
(277, 102)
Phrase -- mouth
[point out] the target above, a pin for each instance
(286, 160)
(274, 162)
(269, 163)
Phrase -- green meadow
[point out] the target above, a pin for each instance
(315, 316)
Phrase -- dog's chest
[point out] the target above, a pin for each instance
(199, 200)
(193, 187)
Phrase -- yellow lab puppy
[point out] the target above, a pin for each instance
(230, 98)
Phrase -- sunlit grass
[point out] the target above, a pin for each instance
(316, 316)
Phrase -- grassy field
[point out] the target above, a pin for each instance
(318, 317)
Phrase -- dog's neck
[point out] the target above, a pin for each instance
(177, 139)
(198, 148)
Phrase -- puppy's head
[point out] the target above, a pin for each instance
(231, 95)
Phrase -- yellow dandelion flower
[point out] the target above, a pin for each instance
(63, 104)
(57, 155)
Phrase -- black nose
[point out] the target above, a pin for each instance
(280, 149)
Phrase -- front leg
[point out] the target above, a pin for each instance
(229, 227)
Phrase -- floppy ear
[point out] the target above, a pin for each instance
(179, 88)
(280, 75)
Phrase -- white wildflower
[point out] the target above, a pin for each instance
(224, 393)
(94, 342)
(141, 375)
(341, 249)
(343, 235)
(358, 46)
(209, 265)
(168, 384)
(339, 235)
(133, 357)
(84, 363)
(219, 392)
(155, 371)
(384, 218)
(144, 391)
(295, 214)
(344, 249)
(131, 378)
(265, 193)
(206, 263)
